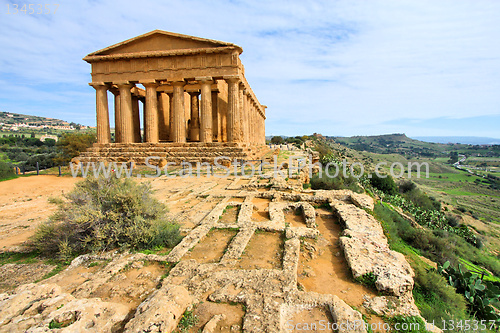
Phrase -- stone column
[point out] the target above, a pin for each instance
(252, 122)
(102, 112)
(136, 118)
(206, 109)
(256, 129)
(151, 132)
(233, 115)
(178, 130)
(163, 116)
(126, 120)
(162, 129)
(241, 110)
(246, 116)
(194, 124)
(216, 137)
(262, 136)
(264, 124)
(255, 118)
(170, 115)
(116, 93)
(222, 101)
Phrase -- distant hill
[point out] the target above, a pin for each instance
(409, 148)
(16, 118)
(397, 143)
(471, 140)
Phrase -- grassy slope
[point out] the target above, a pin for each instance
(454, 188)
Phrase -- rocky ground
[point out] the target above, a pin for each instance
(259, 255)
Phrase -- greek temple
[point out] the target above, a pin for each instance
(196, 101)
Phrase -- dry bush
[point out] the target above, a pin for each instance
(100, 214)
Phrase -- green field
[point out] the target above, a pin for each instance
(27, 134)
(460, 176)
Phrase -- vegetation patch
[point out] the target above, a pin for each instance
(435, 299)
(482, 296)
(408, 324)
(188, 320)
(6, 171)
(368, 280)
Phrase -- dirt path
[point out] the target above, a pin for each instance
(24, 205)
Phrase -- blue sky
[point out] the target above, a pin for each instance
(425, 68)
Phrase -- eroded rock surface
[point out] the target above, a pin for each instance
(130, 293)
(367, 251)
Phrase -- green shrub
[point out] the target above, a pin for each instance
(72, 144)
(422, 200)
(277, 140)
(406, 186)
(482, 296)
(368, 280)
(45, 161)
(188, 320)
(436, 299)
(335, 183)
(100, 214)
(384, 183)
(6, 171)
(452, 220)
(407, 324)
(326, 183)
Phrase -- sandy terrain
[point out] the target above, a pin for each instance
(24, 204)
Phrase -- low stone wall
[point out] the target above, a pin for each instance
(367, 251)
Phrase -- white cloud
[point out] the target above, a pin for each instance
(345, 67)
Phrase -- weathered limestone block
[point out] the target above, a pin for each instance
(357, 221)
(245, 213)
(304, 175)
(276, 213)
(366, 251)
(33, 307)
(362, 200)
(238, 244)
(197, 233)
(23, 297)
(394, 274)
(279, 183)
(391, 306)
(161, 312)
(291, 255)
(301, 232)
(86, 315)
(104, 275)
(212, 323)
(309, 214)
(348, 320)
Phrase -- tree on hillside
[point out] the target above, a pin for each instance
(6, 171)
(72, 144)
(453, 157)
(384, 183)
(277, 140)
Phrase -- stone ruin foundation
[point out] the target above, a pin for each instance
(224, 288)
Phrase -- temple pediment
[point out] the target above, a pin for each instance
(161, 41)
